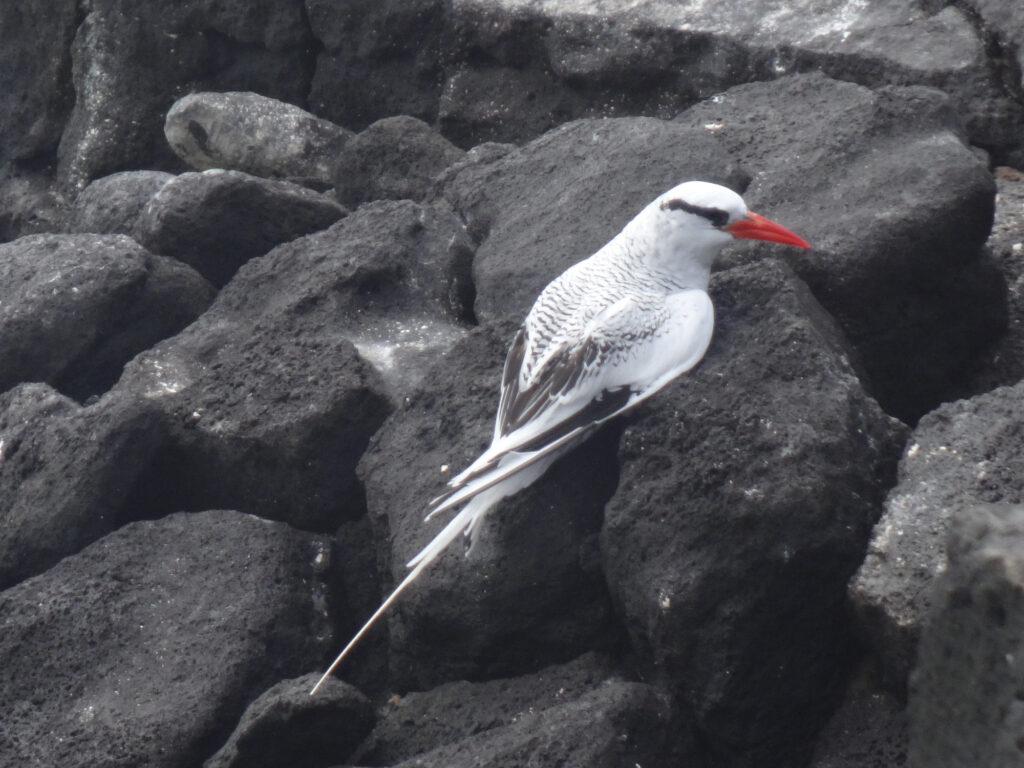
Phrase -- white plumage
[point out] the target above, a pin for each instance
(607, 333)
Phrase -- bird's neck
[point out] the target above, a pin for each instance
(670, 261)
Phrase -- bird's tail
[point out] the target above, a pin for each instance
(464, 521)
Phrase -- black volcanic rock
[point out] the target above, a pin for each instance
(217, 220)
(963, 453)
(112, 205)
(970, 667)
(274, 392)
(746, 498)
(897, 208)
(131, 61)
(395, 158)
(75, 308)
(252, 133)
(285, 721)
(66, 472)
(35, 57)
(583, 713)
(144, 648)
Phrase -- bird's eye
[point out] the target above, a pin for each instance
(716, 216)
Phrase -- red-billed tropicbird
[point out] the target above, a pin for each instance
(606, 334)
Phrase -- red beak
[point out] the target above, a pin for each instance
(756, 227)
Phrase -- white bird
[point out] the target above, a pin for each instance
(606, 334)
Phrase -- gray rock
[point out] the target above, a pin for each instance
(267, 415)
(29, 204)
(1002, 363)
(961, 453)
(868, 731)
(112, 205)
(65, 473)
(540, 209)
(144, 648)
(897, 209)
(745, 501)
(271, 404)
(255, 134)
(966, 704)
(217, 220)
(494, 103)
(35, 57)
(75, 308)
(395, 158)
(394, 279)
(380, 58)
(132, 62)
(582, 713)
(286, 721)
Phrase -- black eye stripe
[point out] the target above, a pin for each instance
(716, 216)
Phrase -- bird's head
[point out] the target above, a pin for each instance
(697, 218)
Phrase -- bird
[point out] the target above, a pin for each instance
(603, 336)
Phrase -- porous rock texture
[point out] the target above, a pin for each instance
(675, 591)
(970, 667)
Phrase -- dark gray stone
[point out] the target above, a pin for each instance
(963, 452)
(967, 692)
(267, 415)
(579, 714)
(380, 58)
(217, 220)
(896, 208)
(1003, 362)
(530, 592)
(868, 731)
(745, 501)
(112, 205)
(75, 308)
(271, 404)
(252, 133)
(285, 722)
(35, 57)
(540, 209)
(144, 648)
(131, 62)
(494, 103)
(65, 472)
(29, 204)
(395, 158)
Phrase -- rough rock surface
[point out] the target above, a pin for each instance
(747, 495)
(35, 57)
(966, 451)
(112, 205)
(65, 473)
(217, 220)
(143, 650)
(897, 208)
(868, 731)
(255, 134)
(75, 308)
(285, 722)
(396, 158)
(1003, 362)
(134, 61)
(582, 713)
(970, 668)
